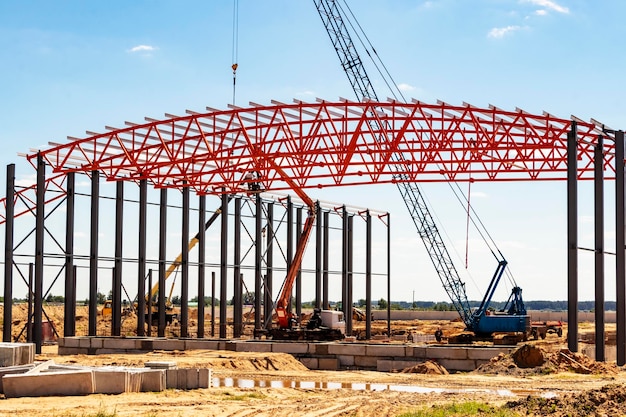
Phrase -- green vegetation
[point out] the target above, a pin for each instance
(469, 408)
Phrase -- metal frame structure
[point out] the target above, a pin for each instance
(302, 146)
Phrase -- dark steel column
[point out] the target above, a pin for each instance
(224, 266)
(368, 275)
(344, 266)
(31, 296)
(93, 253)
(69, 324)
(149, 306)
(268, 278)
(201, 263)
(39, 240)
(350, 277)
(7, 324)
(290, 224)
(318, 255)
(258, 252)
(620, 246)
(325, 265)
(162, 255)
(237, 287)
(212, 303)
(184, 267)
(599, 246)
(116, 303)
(299, 274)
(141, 265)
(389, 274)
(572, 240)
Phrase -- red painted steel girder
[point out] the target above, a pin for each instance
(25, 198)
(311, 145)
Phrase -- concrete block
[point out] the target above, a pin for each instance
(205, 377)
(367, 362)
(84, 342)
(485, 353)
(11, 370)
(328, 364)
(160, 365)
(168, 344)
(254, 347)
(293, 348)
(394, 365)
(110, 380)
(97, 342)
(171, 378)
(346, 360)
(447, 352)
(232, 346)
(9, 355)
(385, 350)
(153, 380)
(311, 363)
(191, 376)
(319, 348)
(145, 344)
(41, 367)
(464, 365)
(118, 343)
(348, 349)
(419, 352)
(201, 344)
(72, 351)
(46, 384)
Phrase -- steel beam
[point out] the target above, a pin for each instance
(620, 246)
(39, 254)
(162, 261)
(69, 313)
(572, 239)
(598, 183)
(318, 255)
(258, 252)
(269, 265)
(368, 275)
(93, 253)
(201, 262)
(184, 266)
(141, 260)
(299, 226)
(224, 266)
(290, 224)
(116, 303)
(212, 303)
(7, 324)
(344, 268)
(149, 305)
(389, 274)
(325, 264)
(237, 276)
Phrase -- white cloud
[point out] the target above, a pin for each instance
(143, 48)
(548, 4)
(541, 12)
(26, 181)
(501, 32)
(405, 87)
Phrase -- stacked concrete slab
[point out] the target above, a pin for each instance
(14, 354)
(382, 356)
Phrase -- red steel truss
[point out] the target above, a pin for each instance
(314, 145)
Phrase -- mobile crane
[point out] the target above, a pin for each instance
(513, 319)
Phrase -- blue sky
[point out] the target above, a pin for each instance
(75, 66)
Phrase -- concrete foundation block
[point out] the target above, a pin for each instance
(110, 381)
(328, 364)
(12, 370)
(367, 362)
(84, 342)
(72, 351)
(168, 344)
(171, 378)
(97, 343)
(205, 376)
(118, 343)
(161, 365)
(192, 377)
(385, 350)
(153, 380)
(395, 365)
(68, 342)
(346, 360)
(311, 363)
(418, 352)
(347, 349)
(253, 346)
(293, 348)
(319, 348)
(202, 344)
(47, 384)
(485, 353)
(447, 352)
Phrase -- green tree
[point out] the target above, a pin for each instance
(101, 298)
(382, 304)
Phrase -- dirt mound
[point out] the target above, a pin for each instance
(529, 359)
(609, 400)
(428, 367)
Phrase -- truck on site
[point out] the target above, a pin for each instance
(510, 324)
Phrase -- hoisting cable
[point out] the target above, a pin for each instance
(235, 50)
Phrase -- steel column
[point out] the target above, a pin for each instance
(598, 186)
(184, 266)
(39, 243)
(212, 303)
(237, 287)
(344, 267)
(116, 302)
(141, 258)
(290, 224)
(572, 240)
(93, 253)
(325, 264)
(224, 266)
(149, 305)
(350, 277)
(268, 278)
(201, 262)
(31, 297)
(318, 255)
(299, 226)
(69, 314)
(162, 255)
(389, 274)
(258, 324)
(9, 225)
(368, 275)
(620, 246)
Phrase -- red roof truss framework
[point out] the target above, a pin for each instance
(314, 145)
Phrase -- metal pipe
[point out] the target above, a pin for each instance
(7, 324)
